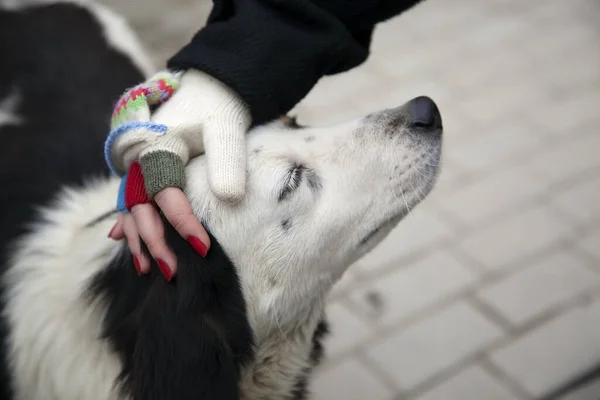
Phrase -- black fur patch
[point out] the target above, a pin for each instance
(67, 79)
(186, 339)
(316, 356)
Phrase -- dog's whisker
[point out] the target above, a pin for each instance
(415, 190)
(404, 198)
(428, 179)
(436, 165)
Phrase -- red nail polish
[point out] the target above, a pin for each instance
(164, 268)
(111, 231)
(197, 245)
(136, 263)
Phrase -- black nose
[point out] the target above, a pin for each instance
(424, 113)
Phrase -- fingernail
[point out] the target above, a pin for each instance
(138, 268)
(165, 269)
(197, 245)
(111, 231)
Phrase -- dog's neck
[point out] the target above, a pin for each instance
(283, 360)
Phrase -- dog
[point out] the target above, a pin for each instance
(247, 321)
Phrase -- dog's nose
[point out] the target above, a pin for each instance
(424, 113)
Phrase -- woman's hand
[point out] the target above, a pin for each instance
(144, 221)
(202, 116)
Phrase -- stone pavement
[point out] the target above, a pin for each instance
(491, 288)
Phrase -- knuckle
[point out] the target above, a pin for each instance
(180, 222)
(133, 244)
(155, 245)
(135, 210)
(161, 196)
(129, 229)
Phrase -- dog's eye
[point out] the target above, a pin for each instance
(292, 181)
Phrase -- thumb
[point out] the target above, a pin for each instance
(225, 148)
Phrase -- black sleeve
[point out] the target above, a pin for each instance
(272, 52)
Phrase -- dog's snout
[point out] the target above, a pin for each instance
(423, 113)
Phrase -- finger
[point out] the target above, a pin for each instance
(226, 160)
(150, 227)
(141, 262)
(176, 207)
(116, 232)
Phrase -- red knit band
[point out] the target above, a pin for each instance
(135, 189)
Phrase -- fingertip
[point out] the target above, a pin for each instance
(142, 264)
(137, 265)
(230, 192)
(167, 266)
(198, 245)
(178, 210)
(140, 261)
(165, 269)
(117, 232)
(112, 231)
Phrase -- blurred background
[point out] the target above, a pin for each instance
(491, 288)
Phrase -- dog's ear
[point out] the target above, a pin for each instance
(181, 340)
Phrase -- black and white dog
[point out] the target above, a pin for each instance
(78, 323)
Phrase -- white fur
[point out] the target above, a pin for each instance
(363, 167)
(8, 109)
(55, 349)
(121, 37)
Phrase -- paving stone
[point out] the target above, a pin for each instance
(491, 194)
(472, 383)
(590, 391)
(415, 354)
(523, 233)
(410, 289)
(349, 380)
(536, 289)
(591, 244)
(346, 329)
(566, 161)
(555, 352)
(581, 200)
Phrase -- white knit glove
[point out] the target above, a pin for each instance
(202, 116)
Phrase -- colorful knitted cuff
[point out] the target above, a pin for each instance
(131, 115)
(162, 169)
(134, 103)
(135, 189)
(134, 129)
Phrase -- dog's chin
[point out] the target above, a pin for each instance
(380, 232)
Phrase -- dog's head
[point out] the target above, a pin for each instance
(316, 200)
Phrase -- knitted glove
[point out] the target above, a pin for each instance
(201, 115)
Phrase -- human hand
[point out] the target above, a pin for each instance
(144, 221)
(202, 115)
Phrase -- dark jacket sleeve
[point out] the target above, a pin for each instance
(272, 52)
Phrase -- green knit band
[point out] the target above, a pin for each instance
(162, 169)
